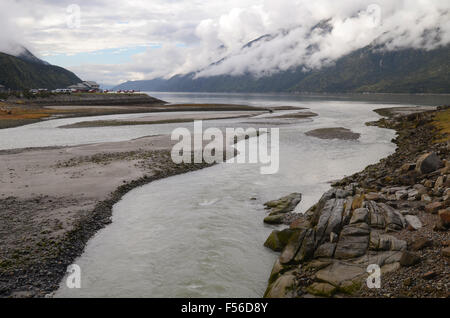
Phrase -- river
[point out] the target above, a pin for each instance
(201, 234)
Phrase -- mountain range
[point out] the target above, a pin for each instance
(26, 71)
(373, 68)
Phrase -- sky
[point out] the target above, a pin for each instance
(112, 41)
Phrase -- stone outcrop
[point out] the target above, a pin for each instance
(349, 239)
(279, 208)
(283, 287)
(413, 222)
(364, 220)
(428, 163)
(277, 240)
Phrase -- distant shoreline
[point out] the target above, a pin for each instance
(25, 113)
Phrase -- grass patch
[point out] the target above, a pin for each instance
(23, 113)
(442, 123)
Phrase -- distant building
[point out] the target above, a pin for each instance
(79, 87)
(92, 85)
(85, 86)
(38, 90)
(2, 89)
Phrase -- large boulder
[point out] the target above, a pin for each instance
(342, 275)
(428, 163)
(444, 216)
(359, 216)
(388, 268)
(394, 220)
(283, 287)
(322, 289)
(325, 250)
(413, 222)
(420, 243)
(335, 220)
(347, 214)
(353, 241)
(300, 223)
(380, 258)
(446, 252)
(274, 219)
(306, 250)
(277, 270)
(318, 208)
(323, 218)
(278, 208)
(409, 259)
(440, 181)
(433, 207)
(384, 242)
(277, 240)
(292, 247)
(330, 219)
(285, 204)
(376, 215)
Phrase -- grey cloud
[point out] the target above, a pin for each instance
(217, 30)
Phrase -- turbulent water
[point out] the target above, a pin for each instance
(201, 234)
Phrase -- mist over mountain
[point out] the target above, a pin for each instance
(26, 55)
(373, 68)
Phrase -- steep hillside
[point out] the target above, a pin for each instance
(374, 70)
(27, 71)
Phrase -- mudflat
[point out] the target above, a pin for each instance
(54, 199)
(166, 118)
(14, 115)
(333, 133)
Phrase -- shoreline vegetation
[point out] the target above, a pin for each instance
(394, 214)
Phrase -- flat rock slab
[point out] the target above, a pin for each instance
(285, 204)
(338, 273)
(413, 222)
(334, 133)
(322, 289)
(282, 287)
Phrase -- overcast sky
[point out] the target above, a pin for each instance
(115, 41)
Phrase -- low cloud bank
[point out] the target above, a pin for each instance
(210, 37)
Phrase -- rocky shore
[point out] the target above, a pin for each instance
(394, 217)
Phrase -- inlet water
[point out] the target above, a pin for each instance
(201, 234)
